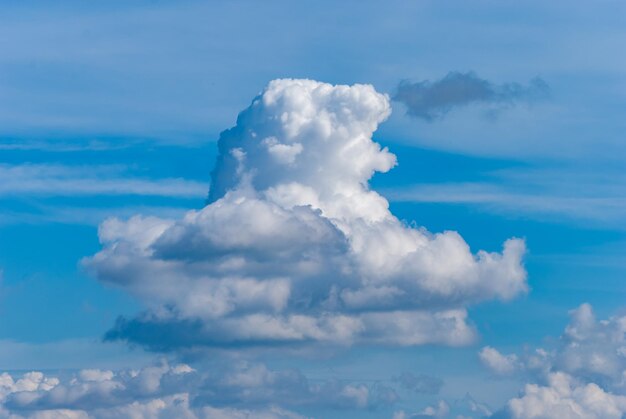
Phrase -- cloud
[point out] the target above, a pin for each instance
(294, 247)
(564, 194)
(588, 349)
(92, 389)
(583, 376)
(440, 411)
(564, 397)
(69, 354)
(498, 363)
(463, 408)
(422, 384)
(431, 100)
(241, 389)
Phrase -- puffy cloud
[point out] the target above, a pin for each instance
(465, 408)
(430, 100)
(564, 397)
(424, 384)
(293, 246)
(441, 410)
(583, 376)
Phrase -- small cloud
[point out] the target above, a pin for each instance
(431, 100)
(566, 397)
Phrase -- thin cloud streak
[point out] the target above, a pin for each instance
(603, 209)
(58, 180)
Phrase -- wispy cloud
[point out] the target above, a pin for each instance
(430, 100)
(588, 358)
(60, 180)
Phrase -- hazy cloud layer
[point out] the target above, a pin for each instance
(240, 390)
(430, 100)
(294, 247)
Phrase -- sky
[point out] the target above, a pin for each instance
(358, 209)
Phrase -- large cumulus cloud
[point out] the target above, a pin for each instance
(294, 247)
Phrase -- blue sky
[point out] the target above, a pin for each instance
(506, 121)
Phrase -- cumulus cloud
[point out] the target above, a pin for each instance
(584, 376)
(294, 247)
(431, 100)
(239, 390)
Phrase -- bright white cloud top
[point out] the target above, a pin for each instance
(294, 247)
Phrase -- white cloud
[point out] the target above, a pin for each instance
(571, 194)
(441, 410)
(294, 247)
(584, 376)
(432, 100)
(498, 363)
(229, 413)
(564, 397)
(464, 408)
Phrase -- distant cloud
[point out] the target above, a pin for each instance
(431, 100)
(496, 362)
(64, 180)
(588, 349)
(466, 407)
(584, 376)
(293, 247)
(422, 383)
(565, 195)
(236, 390)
